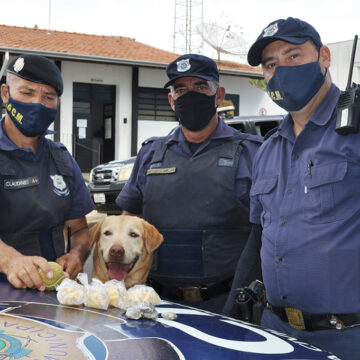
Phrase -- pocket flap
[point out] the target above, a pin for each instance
(326, 174)
(264, 185)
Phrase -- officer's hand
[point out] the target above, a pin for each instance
(71, 264)
(22, 271)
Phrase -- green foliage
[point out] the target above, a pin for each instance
(259, 83)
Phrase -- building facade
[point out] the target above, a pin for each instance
(113, 90)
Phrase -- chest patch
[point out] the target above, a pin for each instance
(226, 162)
(60, 187)
(14, 184)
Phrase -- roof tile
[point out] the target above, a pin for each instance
(93, 45)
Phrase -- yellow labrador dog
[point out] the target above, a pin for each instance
(124, 246)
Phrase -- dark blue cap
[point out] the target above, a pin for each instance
(192, 65)
(37, 69)
(292, 30)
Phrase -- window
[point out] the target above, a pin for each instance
(153, 104)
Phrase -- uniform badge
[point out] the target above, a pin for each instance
(271, 30)
(60, 187)
(183, 65)
(19, 64)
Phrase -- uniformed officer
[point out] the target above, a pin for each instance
(41, 187)
(194, 187)
(306, 196)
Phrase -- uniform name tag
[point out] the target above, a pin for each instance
(15, 184)
(161, 171)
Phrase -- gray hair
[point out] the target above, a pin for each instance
(10, 78)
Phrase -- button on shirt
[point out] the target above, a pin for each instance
(306, 195)
(81, 200)
(131, 196)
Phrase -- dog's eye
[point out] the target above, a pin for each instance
(134, 235)
(107, 233)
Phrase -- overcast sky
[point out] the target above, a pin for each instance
(152, 21)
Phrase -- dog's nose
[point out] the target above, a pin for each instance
(117, 252)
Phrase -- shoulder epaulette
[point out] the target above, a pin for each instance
(250, 137)
(153, 139)
(270, 132)
(150, 140)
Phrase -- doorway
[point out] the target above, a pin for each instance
(93, 124)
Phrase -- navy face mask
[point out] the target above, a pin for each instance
(31, 119)
(194, 110)
(292, 87)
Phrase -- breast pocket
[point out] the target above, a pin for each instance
(264, 190)
(325, 191)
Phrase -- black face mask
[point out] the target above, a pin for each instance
(194, 110)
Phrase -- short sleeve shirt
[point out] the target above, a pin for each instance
(306, 196)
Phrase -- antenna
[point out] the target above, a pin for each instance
(348, 86)
(348, 106)
(187, 14)
(49, 14)
(223, 40)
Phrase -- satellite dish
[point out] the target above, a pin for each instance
(223, 40)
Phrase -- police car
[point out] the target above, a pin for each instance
(107, 180)
(33, 325)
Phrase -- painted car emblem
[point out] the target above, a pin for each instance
(22, 338)
(271, 30)
(19, 64)
(183, 65)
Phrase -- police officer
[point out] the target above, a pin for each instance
(41, 187)
(306, 196)
(194, 187)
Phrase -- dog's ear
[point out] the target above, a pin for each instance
(94, 233)
(152, 237)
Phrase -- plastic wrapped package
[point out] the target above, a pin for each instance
(97, 295)
(148, 311)
(142, 293)
(69, 292)
(117, 293)
(133, 313)
(169, 315)
(142, 310)
(140, 302)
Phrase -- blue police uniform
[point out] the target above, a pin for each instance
(39, 192)
(199, 201)
(306, 196)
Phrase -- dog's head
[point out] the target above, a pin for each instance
(124, 243)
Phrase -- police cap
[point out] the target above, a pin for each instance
(38, 69)
(292, 30)
(192, 65)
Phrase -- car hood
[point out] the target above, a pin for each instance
(115, 164)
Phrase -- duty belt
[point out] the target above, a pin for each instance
(304, 321)
(192, 293)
